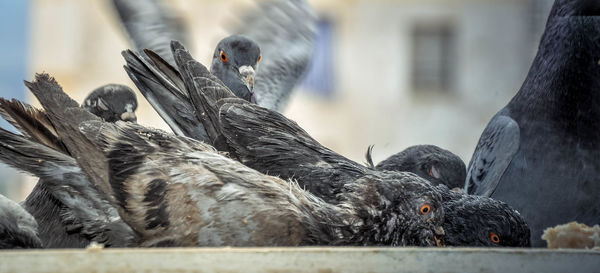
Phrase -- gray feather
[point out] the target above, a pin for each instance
(497, 146)
(151, 24)
(285, 32)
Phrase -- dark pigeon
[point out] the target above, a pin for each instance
(175, 191)
(471, 220)
(437, 165)
(112, 102)
(18, 229)
(539, 153)
(284, 31)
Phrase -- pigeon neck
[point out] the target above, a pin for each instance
(564, 79)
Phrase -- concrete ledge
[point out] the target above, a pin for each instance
(301, 260)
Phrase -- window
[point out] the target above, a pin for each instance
(319, 78)
(433, 57)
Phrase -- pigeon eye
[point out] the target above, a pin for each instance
(223, 56)
(495, 238)
(425, 209)
(259, 59)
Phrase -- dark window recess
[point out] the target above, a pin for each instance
(433, 57)
(319, 78)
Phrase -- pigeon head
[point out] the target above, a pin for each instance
(396, 209)
(433, 163)
(472, 220)
(234, 62)
(112, 102)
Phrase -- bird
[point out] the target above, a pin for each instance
(280, 33)
(431, 162)
(112, 102)
(272, 144)
(18, 229)
(54, 232)
(478, 221)
(539, 153)
(177, 191)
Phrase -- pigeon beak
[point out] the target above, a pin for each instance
(440, 231)
(247, 76)
(128, 116)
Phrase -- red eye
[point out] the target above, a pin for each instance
(495, 238)
(425, 209)
(259, 59)
(223, 56)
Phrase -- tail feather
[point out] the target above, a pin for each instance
(31, 122)
(88, 207)
(205, 90)
(69, 119)
(163, 87)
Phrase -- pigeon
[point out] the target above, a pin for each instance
(176, 191)
(539, 153)
(272, 144)
(112, 102)
(478, 221)
(40, 203)
(18, 229)
(283, 32)
(433, 163)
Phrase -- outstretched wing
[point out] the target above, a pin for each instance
(152, 25)
(285, 31)
(496, 148)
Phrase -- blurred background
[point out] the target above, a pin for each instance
(389, 73)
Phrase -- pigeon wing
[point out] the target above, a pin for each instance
(285, 32)
(86, 208)
(496, 148)
(31, 122)
(272, 144)
(151, 24)
(163, 87)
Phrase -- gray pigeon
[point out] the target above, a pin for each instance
(540, 152)
(284, 31)
(437, 165)
(112, 102)
(175, 191)
(18, 229)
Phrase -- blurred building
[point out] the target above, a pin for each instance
(389, 73)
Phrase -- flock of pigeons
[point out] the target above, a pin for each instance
(236, 172)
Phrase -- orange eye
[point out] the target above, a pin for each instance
(259, 59)
(223, 56)
(495, 238)
(425, 209)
